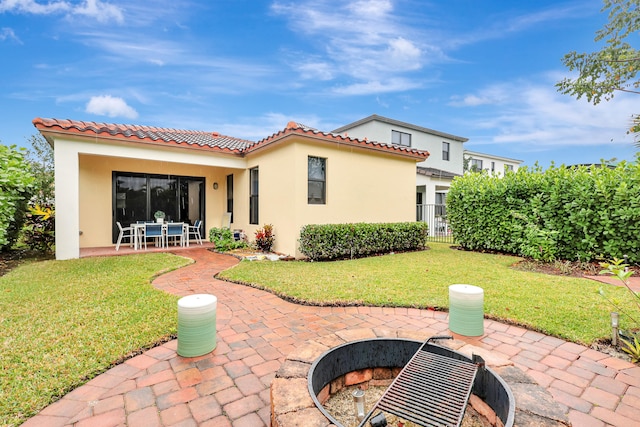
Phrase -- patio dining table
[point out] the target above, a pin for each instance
(138, 233)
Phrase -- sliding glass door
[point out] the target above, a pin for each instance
(136, 197)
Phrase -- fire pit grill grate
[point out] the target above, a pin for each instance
(432, 390)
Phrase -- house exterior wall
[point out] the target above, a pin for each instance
(362, 186)
(95, 191)
(83, 170)
(500, 163)
(429, 186)
(358, 189)
(381, 132)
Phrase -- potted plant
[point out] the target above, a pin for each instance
(159, 216)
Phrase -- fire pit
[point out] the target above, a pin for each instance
(373, 357)
(432, 389)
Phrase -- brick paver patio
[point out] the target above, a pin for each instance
(256, 330)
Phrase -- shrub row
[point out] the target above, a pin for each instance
(340, 241)
(578, 213)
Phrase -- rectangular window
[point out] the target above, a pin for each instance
(509, 167)
(400, 138)
(445, 150)
(493, 166)
(476, 165)
(317, 183)
(230, 195)
(441, 200)
(253, 196)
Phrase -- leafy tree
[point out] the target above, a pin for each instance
(40, 159)
(15, 190)
(615, 66)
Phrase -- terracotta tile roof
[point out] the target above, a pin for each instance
(211, 140)
(294, 128)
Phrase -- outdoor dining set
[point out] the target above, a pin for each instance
(138, 234)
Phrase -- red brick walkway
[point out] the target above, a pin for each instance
(256, 330)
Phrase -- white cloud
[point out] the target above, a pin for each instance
(492, 95)
(315, 70)
(102, 12)
(401, 50)
(374, 41)
(107, 105)
(8, 34)
(534, 115)
(365, 40)
(371, 8)
(376, 86)
(504, 25)
(31, 6)
(99, 10)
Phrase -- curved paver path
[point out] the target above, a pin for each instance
(256, 330)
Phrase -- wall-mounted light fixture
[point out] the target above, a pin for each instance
(215, 185)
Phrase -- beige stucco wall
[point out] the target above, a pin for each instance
(381, 131)
(95, 192)
(362, 186)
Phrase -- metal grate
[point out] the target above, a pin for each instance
(431, 390)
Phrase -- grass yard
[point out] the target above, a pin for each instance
(565, 307)
(64, 322)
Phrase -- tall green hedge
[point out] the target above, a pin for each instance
(582, 213)
(339, 241)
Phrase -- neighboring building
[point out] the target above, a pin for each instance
(106, 173)
(435, 174)
(495, 165)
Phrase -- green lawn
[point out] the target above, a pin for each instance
(64, 322)
(565, 307)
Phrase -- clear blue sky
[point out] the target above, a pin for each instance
(484, 70)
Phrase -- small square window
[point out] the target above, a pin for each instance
(400, 138)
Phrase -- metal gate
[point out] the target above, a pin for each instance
(436, 218)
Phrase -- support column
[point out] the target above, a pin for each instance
(67, 200)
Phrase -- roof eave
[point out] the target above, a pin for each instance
(375, 117)
(418, 155)
(76, 134)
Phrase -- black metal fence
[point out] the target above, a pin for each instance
(436, 218)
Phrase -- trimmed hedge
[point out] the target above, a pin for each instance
(339, 241)
(578, 213)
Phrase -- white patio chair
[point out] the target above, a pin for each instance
(226, 220)
(124, 233)
(195, 231)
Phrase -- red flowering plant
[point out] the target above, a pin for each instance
(265, 238)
